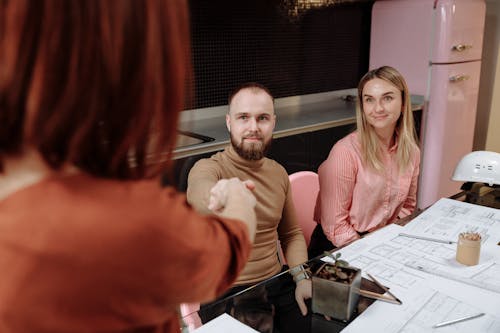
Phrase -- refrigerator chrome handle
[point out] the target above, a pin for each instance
(461, 47)
(459, 78)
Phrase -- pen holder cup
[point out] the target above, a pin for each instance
(468, 250)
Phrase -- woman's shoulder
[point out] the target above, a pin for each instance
(99, 198)
(348, 144)
(346, 151)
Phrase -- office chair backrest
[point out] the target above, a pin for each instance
(190, 315)
(305, 188)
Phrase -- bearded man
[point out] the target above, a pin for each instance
(250, 121)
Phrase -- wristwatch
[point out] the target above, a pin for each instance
(300, 273)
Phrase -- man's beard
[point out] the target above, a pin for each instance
(254, 152)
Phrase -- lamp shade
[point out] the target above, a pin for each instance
(479, 167)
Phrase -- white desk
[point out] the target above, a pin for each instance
(425, 275)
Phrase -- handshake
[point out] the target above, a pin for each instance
(233, 198)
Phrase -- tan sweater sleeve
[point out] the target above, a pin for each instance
(202, 177)
(290, 234)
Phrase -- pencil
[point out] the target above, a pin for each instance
(459, 320)
(371, 294)
(383, 287)
(427, 238)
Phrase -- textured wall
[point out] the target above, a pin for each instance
(293, 47)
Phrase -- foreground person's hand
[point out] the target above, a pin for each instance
(232, 198)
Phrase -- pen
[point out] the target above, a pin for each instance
(371, 294)
(427, 238)
(454, 321)
(384, 288)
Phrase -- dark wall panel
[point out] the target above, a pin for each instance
(289, 47)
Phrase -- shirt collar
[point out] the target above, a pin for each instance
(394, 147)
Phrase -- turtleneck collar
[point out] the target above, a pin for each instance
(237, 159)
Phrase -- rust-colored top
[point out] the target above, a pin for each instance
(80, 254)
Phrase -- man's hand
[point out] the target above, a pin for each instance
(233, 198)
(224, 188)
(303, 291)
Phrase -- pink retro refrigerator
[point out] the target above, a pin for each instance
(436, 45)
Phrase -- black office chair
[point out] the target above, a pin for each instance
(181, 171)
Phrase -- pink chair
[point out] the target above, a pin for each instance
(190, 315)
(305, 188)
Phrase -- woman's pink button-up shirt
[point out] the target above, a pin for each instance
(354, 198)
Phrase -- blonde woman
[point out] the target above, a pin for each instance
(370, 177)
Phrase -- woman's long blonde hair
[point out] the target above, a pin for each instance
(405, 128)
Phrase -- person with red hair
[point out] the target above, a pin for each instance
(90, 94)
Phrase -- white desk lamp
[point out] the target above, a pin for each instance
(479, 167)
